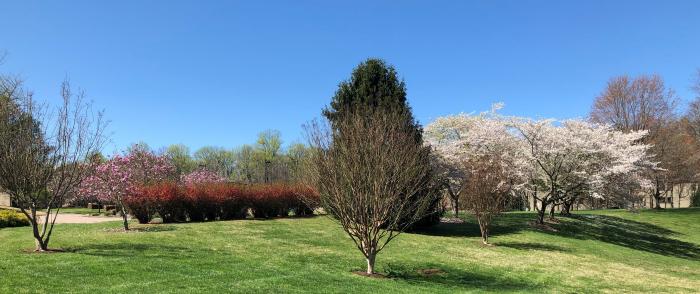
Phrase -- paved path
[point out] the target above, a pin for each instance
(69, 218)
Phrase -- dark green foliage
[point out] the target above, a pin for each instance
(373, 85)
(695, 199)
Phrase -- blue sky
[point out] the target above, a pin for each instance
(218, 72)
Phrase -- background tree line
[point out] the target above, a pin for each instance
(264, 161)
(645, 103)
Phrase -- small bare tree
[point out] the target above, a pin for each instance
(486, 192)
(42, 153)
(371, 177)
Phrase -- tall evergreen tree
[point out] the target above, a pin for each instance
(373, 83)
(375, 86)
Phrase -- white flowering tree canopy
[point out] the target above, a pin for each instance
(462, 138)
(564, 155)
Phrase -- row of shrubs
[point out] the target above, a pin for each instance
(218, 201)
(11, 218)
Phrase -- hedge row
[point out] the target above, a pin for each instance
(10, 218)
(218, 201)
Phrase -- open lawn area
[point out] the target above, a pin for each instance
(595, 251)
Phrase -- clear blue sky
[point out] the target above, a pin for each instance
(216, 73)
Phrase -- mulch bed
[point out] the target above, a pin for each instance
(374, 275)
(545, 227)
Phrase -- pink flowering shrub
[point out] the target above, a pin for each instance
(121, 177)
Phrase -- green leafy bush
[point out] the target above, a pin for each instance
(9, 218)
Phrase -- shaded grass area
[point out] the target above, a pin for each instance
(594, 251)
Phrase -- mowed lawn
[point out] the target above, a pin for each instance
(596, 251)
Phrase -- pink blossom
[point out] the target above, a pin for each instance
(120, 176)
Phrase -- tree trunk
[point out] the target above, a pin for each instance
(541, 212)
(566, 208)
(657, 199)
(551, 211)
(455, 203)
(370, 263)
(41, 245)
(484, 227)
(672, 190)
(125, 218)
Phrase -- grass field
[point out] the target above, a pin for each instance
(596, 251)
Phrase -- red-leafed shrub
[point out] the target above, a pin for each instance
(212, 201)
(140, 207)
(267, 201)
(306, 200)
(201, 202)
(234, 203)
(167, 200)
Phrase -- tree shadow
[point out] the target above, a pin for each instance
(153, 228)
(457, 278)
(628, 233)
(531, 246)
(503, 225)
(125, 249)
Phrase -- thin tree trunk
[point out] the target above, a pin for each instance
(672, 194)
(455, 202)
(657, 198)
(484, 227)
(540, 212)
(566, 207)
(370, 262)
(41, 245)
(125, 218)
(551, 211)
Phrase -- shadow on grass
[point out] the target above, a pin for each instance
(466, 280)
(609, 229)
(503, 225)
(125, 249)
(153, 228)
(531, 246)
(628, 233)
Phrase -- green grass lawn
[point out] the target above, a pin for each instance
(596, 251)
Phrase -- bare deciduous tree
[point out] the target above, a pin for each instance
(642, 103)
(486, 192)
(42, 153)
(693, 113)
(369, 173)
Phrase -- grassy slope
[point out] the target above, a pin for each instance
(606, 251)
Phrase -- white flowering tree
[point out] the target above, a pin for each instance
(556, 162)
(573, 158)
(483, 162)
